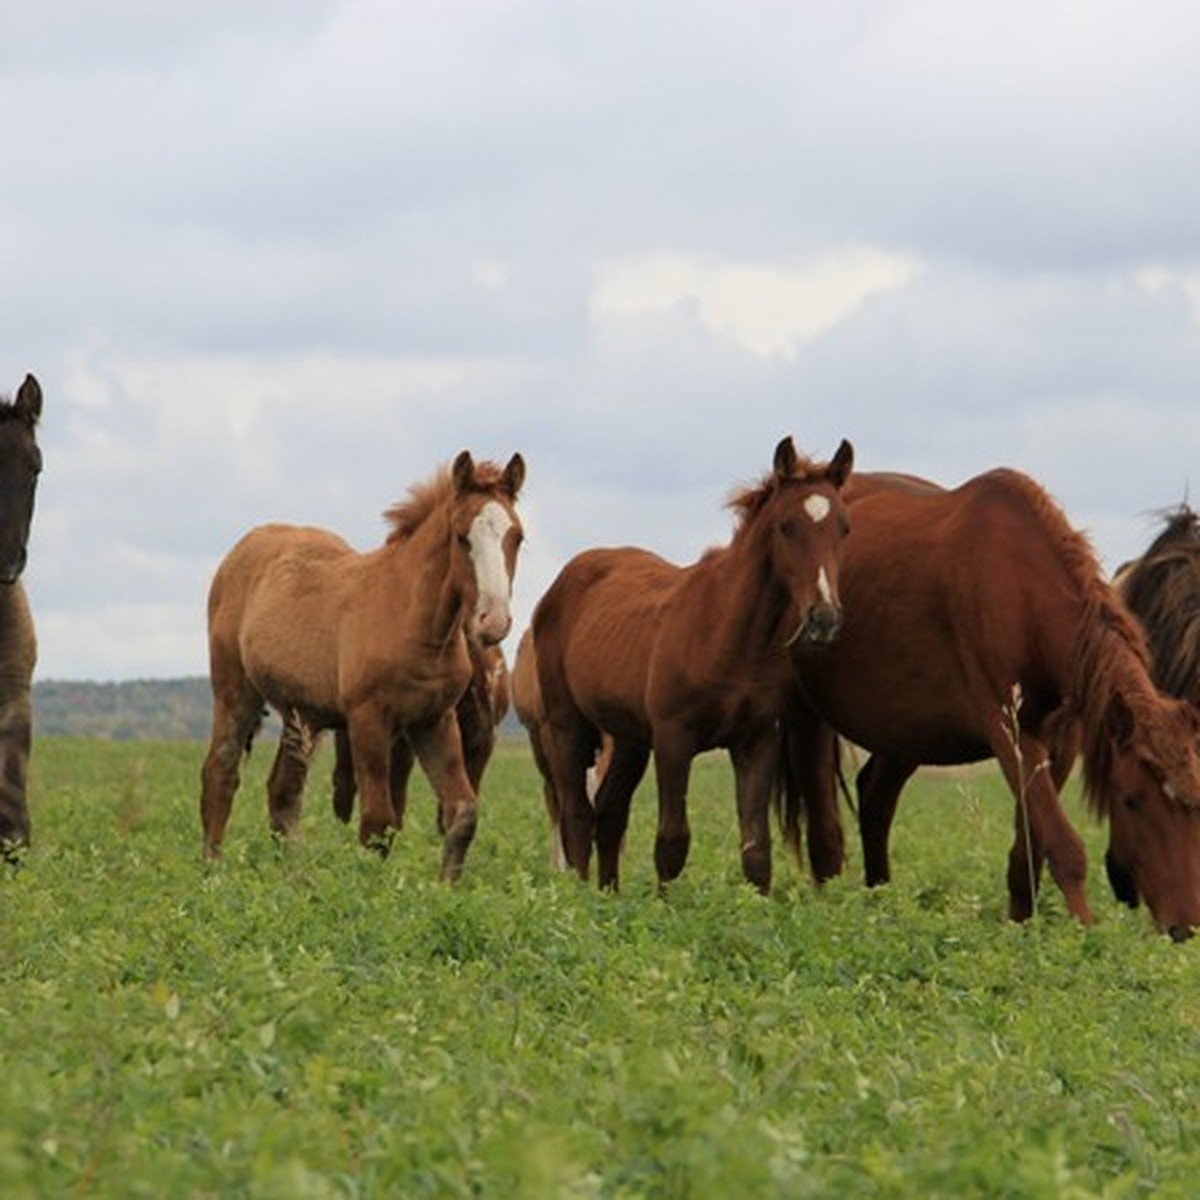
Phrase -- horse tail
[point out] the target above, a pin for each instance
(788, 794)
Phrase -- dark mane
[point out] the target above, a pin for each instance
(1162, 589)
(406, 516)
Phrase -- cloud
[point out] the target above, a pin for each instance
(766, 308)
(279, 261)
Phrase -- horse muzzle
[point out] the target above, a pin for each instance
(820, 625)
(12, 565)
(490, 627)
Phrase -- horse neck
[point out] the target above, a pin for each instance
(421, 565)
(753, 610)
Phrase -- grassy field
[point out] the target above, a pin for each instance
(310, 1021)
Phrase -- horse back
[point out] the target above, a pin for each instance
(950, 596)
(595, 631)
(272, 600)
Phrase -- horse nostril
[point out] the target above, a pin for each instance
(1180, 933)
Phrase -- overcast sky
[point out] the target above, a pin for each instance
(279, 259)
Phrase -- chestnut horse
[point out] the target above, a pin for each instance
(527, 701)
(479, 711)
(20, 465)
(677, 660)
(370, 642)
(977, 625)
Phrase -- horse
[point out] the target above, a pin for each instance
(675, 660)
(479, 711)
(20, 466)
(531, 712)
(374, 643)
(977, 625)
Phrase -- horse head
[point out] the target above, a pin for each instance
(808, 523)
(20, 465)
(487, 536)
(1154, 814)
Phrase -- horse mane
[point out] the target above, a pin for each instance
(406, 516)
(1162, 589)
(1110, 658)
(748, 501)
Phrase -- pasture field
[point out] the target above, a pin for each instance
(311, 1021)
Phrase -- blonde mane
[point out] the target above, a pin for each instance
(406, 516)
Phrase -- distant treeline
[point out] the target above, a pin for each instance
(140, 710)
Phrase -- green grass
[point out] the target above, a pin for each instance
(310, 1021)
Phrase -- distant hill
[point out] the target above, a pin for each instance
(141, 710)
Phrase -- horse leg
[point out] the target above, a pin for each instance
(289, 771)
(812, 747)
(570, 743)
(236, 719)
(1025, 861)
(537, 735)
(438, 747)
(879, 783)
(370, 735)
(755, 765)
(343, 777)
(623, 772)
(399, 773)
(673, 754)
(15, 741)
(1028, 771)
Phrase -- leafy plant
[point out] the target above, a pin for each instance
(306, 1020)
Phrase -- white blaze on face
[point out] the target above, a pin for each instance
(486, 538)
(817, 508)
(823, 588)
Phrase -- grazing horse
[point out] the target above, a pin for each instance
(372, 642)
(677, 660)
(479, 712)
(977, 625)
(1162, 589)
(527, 701)
(20, 465)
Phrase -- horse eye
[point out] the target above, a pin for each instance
(787, 527)
(464, 541)
(1132, 803)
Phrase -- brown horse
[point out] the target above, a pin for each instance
(370, 642)
(479, 712)
(20, 465)
(977, 625)
(677, 660)
(527, 701)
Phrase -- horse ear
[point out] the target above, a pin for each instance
(1118, 721)
(463, 472)
(841, 464)
(514, 476)
(785, 457)
(29, 400)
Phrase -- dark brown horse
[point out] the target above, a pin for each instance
(977, 624)
(677, 660)
(375, 643)
(1162, 589)
(527, 701)
(20, 465)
